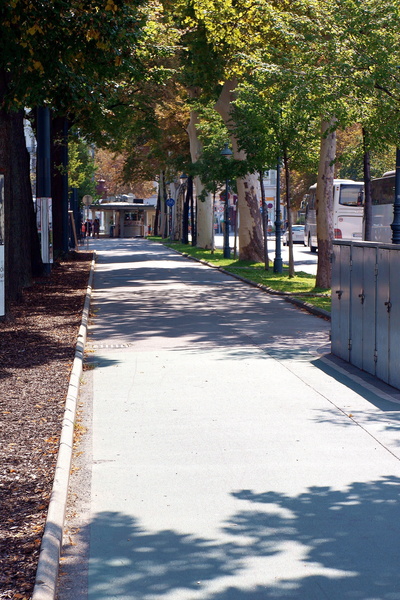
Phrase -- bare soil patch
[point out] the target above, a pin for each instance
(37, 348)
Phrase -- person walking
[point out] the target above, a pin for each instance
(96, 228)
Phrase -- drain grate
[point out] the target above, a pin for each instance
(108, 346)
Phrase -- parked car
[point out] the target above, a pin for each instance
(297, 235)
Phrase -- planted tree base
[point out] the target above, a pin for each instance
(37, 348)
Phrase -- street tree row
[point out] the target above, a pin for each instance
(166, 83)
(283, 76)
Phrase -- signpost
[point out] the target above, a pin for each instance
(87, 200)
(44, 218)
(43, 186)
(170, 202)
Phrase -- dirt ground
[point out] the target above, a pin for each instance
(37, 347)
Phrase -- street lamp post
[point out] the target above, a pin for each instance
(185, 214)
(227, 153)
(396, 206)
(278, 263)
(170, 202)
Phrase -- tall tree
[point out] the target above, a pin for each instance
(274, 118)
(324, 201)
(251, 245)
(205, 210)
(213, 33)
(68, 56)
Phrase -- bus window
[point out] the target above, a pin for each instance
(351, 195)
(382, 190)
(382, 196)
(348, 201)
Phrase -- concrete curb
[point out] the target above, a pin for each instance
(50, 550)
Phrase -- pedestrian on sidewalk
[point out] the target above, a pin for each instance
(96, 228)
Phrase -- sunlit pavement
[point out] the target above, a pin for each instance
(231, 458)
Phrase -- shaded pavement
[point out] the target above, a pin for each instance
(228, 456)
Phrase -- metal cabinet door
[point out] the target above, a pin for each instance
(340, 316)
(356, 306)
(369, 311)
(394, 319)
(335, 304)
(382, 314)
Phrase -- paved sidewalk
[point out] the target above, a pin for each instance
(230, 457)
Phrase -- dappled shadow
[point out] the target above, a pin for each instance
(348, 538)
(321, 543)
(150, 294)
(32, 350)
(92, 362)
(143, 563)
(21, 524)
(42, 327)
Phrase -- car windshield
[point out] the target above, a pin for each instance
(298, 227)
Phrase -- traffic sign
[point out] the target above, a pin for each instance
(170, 202)
(87, 200)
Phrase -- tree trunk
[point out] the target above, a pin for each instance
(180, 198)
(204, 221)
(289, 214)
(193, 218)
(264, 220)
(163, 206)
(185, 215)
(326, 173)
(157, 216)
(367, 190)
(5, 169)
(25, 251)
(251, 245)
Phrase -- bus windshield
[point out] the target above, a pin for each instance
(351, 195)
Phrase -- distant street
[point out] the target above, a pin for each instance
(304, 260)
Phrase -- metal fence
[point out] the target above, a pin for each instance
(366, 307)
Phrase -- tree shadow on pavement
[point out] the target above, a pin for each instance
(322, 543)
(219, 312)
(347, 539)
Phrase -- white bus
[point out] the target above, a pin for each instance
(348, 211)
(382, 199)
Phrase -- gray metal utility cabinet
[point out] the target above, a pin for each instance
(366, 307)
